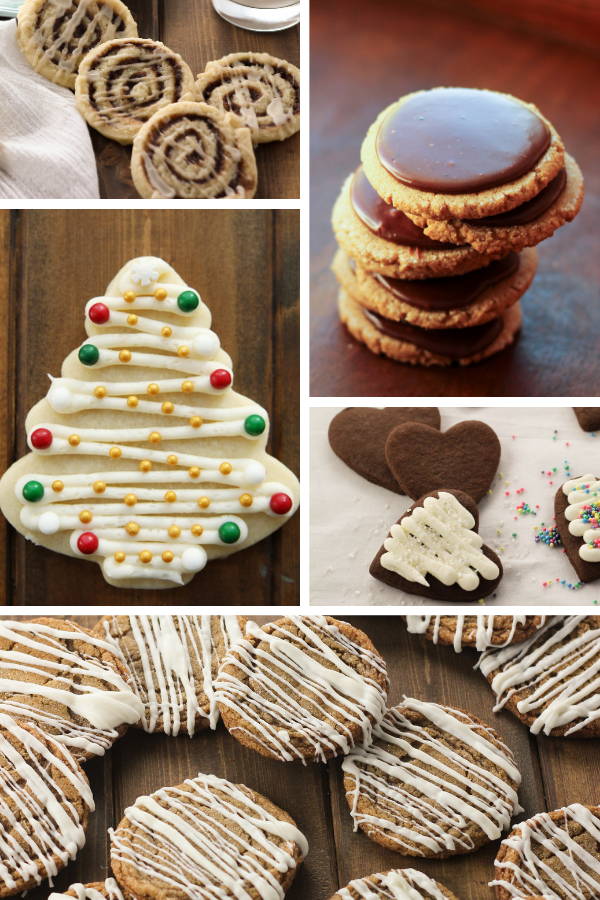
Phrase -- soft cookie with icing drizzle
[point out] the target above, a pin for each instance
(96, 890)
(434, 551)
(435, 782)
(577, 513)
(397, 884)
(304, 688)
(206, 838)
(173, 661)
(480, 631)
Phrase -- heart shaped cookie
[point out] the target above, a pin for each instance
(422, 459)
(358, 435)
(588, 417)
(575, 508)
(465, 568)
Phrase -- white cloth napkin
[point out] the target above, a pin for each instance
(45, 147)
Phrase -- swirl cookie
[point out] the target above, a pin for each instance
(206, 838)
(68, 681)
(96, 890)
(554, 856)
(45, 802)
(549, 681)
(481, 631)
(173, 661)
(397, 884)
(260, 92)
(302, 688)
(435, 782)
(55, 35)
(577, 513)
(122, 83)
(192, 151)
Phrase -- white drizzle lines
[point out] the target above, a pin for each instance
(397, 884)
(484, 630)
(111, 890)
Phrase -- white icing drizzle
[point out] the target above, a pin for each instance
(170, 651)
(189, 849)
(473, 795)
(539, 665)
(87, 892)
(286, 665)
(103, 709)
(581, 493)
(483, 634)
(397, 884)
(437, 539)
(534, 875)
(54, 828)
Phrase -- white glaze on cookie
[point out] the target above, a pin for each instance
(438, 539)
(274, 716)
(539, 665)
(484, 630)
(397, 884)
(180, 843)
(85, 892)
(462, 799)
(583, 514)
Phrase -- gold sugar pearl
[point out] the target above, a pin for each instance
(172, 459)
(183, 351)
(167, 407)
(57, 486)
(167, 556)
(197, 530)
(129, 296)
(74, 440)
(132, 319)
(125, 356)
(119, 556)
(160, 293)
(145, 465)
(154, 437)
(130, 500)
(194, 472)
(166, 331)
(132, 401)
(196, 421)
(132, 528)
(187, 387)
(115, 452)
(170, 496)
(203, 502)
(145, 556)
(100, 392)
(99, 487)
(85, 516)
(153, 388)
(174, 531)
(246, 500)
(225, 468)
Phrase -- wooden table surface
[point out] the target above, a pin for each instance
(193, 29)
(366, 55)
(245, 265)
(555, 772)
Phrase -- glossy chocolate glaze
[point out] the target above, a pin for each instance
(531, 209)
(456, 343)
(459, 140)
(385, 220)
(450, 292)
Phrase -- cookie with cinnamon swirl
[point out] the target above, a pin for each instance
(260, 91)
(55, 35)
(192, 151)
(122, 83)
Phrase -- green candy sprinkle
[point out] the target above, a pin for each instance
(188, 301)
(33, 491)
(89, 355)
(254, 425)
(229, 532)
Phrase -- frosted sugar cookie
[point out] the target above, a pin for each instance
(260, 91)
(173, 661)
(435, 782)
(55, 35)
(302, 688)
(96, 890)
(577, 513)
(193, 151)
(122, 83)
(397, 884)
(206, 838)
(479, 631)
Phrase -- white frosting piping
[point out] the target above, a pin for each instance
(86, 892)
(483, 634)
(397, 884)
(584, 501)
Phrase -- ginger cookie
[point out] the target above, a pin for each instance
(434, 551)
(209, 838)
(465, 457)
(577, 513)
(480, 631)
(549, 681)
(173, 661)
(68, 681)
(302, 688)
(588, 417)
(397, 884)
(358, 436)
(460, 153)
(46, 801)
(435, 782)
(96, 890)
(553, 855)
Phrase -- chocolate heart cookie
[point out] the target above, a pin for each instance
(358, 435)
(588, 417)
(422, 459)
(434, 551)
(577, 512)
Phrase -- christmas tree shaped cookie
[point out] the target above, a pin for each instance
(144, 459)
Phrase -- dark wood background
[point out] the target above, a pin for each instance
(245, 265)
(366, 55)
(193, 29)
(555, 772)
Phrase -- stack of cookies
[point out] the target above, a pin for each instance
(437, 227)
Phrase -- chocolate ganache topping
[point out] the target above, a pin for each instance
(459, 140)
(531, 209)
(450, 292)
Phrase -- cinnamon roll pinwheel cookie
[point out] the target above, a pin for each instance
(193, 151)
(55, 35)
(260, 91)
(121, 84)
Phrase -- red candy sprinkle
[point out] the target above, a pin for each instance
(220, 379)
(281, 504)
(87, 543)
(99, 313)
(41, 438)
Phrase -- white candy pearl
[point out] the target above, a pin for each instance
(60, 398)
(193, 559)
(255, 473)
(48, 523)
(205, 345)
